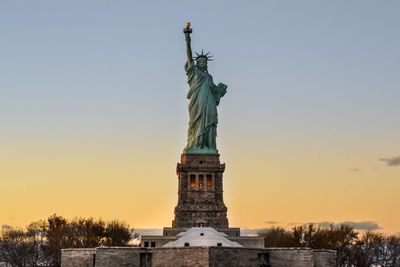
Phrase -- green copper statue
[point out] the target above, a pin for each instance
(204, 98)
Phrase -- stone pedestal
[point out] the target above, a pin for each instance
(196, 256)
(200, 202)
(200, 194)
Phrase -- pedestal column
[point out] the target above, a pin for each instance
(200, 204)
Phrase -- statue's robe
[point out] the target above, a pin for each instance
(204, 97)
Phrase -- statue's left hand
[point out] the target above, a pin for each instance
(223, 86)
(222, 89)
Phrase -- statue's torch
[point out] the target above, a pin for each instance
(187, 29)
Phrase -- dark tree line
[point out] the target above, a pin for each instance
(41, 242)
(353, 249)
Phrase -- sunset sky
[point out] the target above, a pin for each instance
(93, 109)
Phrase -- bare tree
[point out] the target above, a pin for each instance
(23, 248)
(86, 233)
(278, 237)
(41, 242)
(117, 234)
(391, 252)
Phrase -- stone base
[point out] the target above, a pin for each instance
(197, 256)
(200, 194)
(169, 234)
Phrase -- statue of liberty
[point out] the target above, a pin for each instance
(204, 97)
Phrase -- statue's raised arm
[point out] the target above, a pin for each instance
(189, 55)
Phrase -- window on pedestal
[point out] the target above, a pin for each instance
(209, 181)
(192, 181)
(201, 180)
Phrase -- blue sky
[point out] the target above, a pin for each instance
(289, 60)
(316, 80)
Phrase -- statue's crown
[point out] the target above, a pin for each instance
(206, 56)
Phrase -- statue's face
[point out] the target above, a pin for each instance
(202, 63)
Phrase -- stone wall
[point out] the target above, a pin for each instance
(118, 256)
(197, 256)
(82, 257)
(223, 256)
(184, 257)
(151, 257)
(324, 257)
(289, 257)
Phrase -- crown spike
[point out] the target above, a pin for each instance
(206, 56)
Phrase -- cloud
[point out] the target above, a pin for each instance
(325, 224)
(271, 222)
(6, 226)
(392, 161)
(366, 225)
(355, 170)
